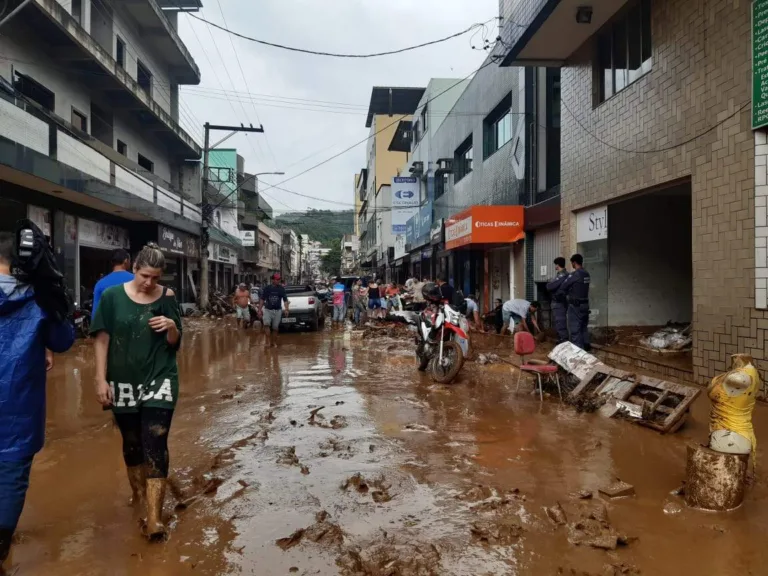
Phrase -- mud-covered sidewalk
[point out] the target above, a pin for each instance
(333, 455)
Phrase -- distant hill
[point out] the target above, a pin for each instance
(325, 226)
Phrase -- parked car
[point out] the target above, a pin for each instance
(306, 308)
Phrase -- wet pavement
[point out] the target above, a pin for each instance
(392, 476)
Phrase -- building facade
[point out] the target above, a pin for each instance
(662, 180)
(91, 143)
(350, 246)
(389, 107)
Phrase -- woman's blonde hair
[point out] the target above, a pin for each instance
(150, 257)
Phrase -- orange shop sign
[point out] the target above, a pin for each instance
(485, 225)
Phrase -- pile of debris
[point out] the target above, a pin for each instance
(672, 339)
(651, 402)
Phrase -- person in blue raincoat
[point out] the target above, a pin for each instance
(25, 334)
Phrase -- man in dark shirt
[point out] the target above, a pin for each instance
(446, 290)
(576, 290)
(270, 312)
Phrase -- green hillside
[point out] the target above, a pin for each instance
(325, 226)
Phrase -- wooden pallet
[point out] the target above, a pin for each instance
(651, 402)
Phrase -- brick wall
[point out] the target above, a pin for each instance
(700, 77)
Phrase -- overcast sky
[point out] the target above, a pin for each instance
(313, 106)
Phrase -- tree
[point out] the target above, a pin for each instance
(331, 262)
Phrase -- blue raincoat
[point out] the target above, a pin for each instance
(25, 333)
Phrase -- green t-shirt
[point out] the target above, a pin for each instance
(141, 365)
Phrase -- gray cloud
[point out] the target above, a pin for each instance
(338, 25)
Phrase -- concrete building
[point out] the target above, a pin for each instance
(487, 212)
(289, 263)
(388, 107)
(350, 246)
(91, 146)
(663, 183)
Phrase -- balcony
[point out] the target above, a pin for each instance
(41, 152)
(547, 32)
(71, 47)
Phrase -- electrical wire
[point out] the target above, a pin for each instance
(656, 150)
(341, 55)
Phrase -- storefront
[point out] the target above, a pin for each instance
(182, 262)
(486, 252)
(95, 243)
(417, 240)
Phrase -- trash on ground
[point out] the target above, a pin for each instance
(671, 338)
(618, 489)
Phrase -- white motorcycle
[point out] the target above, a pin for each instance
(442, 342)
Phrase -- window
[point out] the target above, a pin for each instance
(424, 115)
(143, 77)
(122, 148)
(79, 120)
(77, 11)
(462, 159)
(120, 52)
(416, 133)
(35, 91)
(498, 126)
(146, 163)
(623, 50)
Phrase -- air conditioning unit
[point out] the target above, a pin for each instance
(417, 168)
(445, 166)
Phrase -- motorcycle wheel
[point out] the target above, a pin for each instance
(421, 358)
(85, 327)
(453, 360)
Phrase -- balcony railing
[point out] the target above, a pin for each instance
(28, 125)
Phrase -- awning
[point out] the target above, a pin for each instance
(217, 235)
(485, 225)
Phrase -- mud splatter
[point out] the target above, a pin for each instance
(380, 492)
(502, 532)
(390, 559)
(321, 532)
(288, 457)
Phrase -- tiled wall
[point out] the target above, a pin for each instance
(700, 79)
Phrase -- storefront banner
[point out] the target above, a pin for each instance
(41, 217)
(592, 224)
(100, 235)
(177, 242)
(399, 246)
(405, 201)
(485, 225)
(248, 238)
(426, 254)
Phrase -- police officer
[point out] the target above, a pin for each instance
(576, 290)
(559, 304)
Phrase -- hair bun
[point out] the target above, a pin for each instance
(152, 245)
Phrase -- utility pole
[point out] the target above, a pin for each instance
(207, 208)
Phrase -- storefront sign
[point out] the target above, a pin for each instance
(759, 64)
(399, 246)
(176, 242)
(405, 201)
(100, 235)
(41, 217)
(426, 254)
(436, 234)
(485, 225)
(422, 225)
(248, 238)
(224, 254)
(592, 224)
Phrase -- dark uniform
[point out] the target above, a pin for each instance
(559, 305)
(576, 290)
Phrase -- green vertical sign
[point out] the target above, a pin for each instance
(759, 64)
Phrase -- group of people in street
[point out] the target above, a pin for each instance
(272, 305)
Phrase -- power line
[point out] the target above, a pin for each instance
(340, 55)
(657, 150)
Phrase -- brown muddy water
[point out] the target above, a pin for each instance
(394, 476)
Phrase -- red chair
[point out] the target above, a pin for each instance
(525, 345)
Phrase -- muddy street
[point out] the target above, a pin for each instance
(333, 455)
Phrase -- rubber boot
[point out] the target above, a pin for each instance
(137, 479)
(6, 535)
(155, 499)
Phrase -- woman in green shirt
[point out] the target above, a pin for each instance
(138, 332)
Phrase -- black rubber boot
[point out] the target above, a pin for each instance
(6, 535)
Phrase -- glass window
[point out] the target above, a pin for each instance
(623, 49)
(463, 159)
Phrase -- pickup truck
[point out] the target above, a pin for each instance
(306, 308)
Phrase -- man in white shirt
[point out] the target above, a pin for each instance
(520, 313)
(473, 313)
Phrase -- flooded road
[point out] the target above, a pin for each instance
(392, 476)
